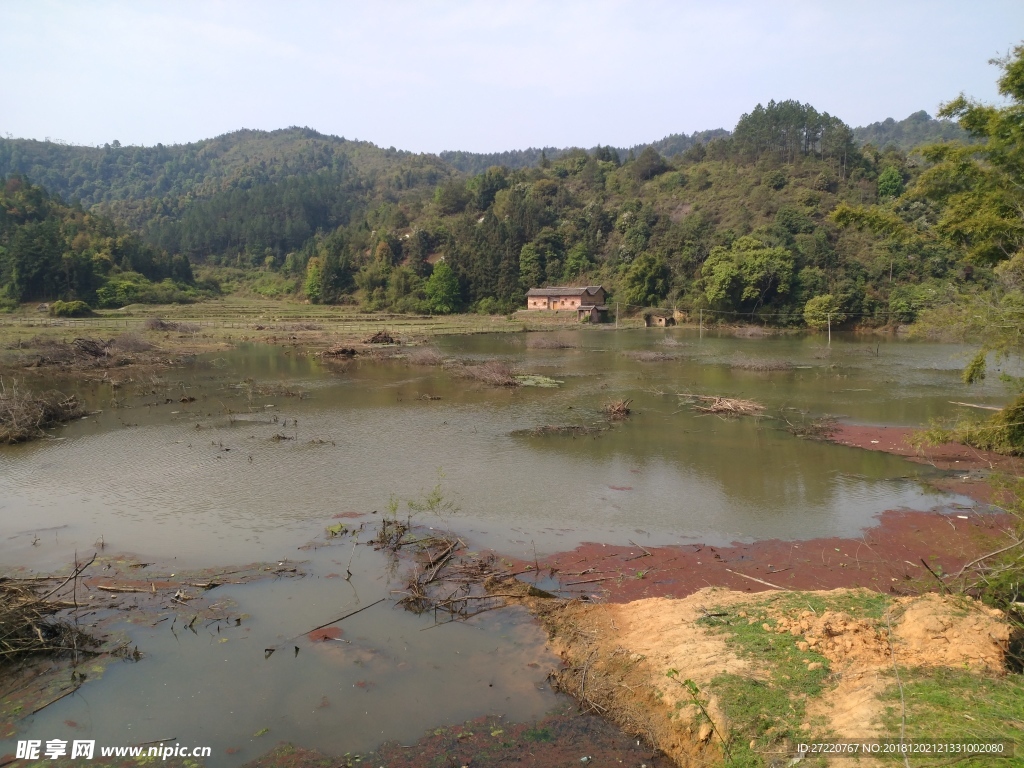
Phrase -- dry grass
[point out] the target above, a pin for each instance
(129, 342)
(544, 342)
(617, 410)
(24, 415)
(426, 356)
(493, 372)
(761, 365)
(648, 356)
(159, 324)
(725, 405)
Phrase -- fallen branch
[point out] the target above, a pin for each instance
(759, 581)
(347, 615)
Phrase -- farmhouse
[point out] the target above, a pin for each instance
(587, 302)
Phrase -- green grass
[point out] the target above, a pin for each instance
(956, 706)
(769, 709)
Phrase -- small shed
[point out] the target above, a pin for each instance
(592, 313)
(659, 319)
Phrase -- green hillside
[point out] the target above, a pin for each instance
(735, 223)
(914, 131)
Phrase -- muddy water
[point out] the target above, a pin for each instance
(248, 471)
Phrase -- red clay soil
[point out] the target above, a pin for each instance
(889, 557)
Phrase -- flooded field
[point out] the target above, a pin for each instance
(247, 456)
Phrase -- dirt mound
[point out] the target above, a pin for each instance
(629, 661)
(951, 632)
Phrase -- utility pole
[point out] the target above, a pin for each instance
(616, 314)
(702, 324)
(830, 329)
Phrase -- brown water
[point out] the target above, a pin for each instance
(204, 483)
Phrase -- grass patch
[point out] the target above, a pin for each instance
(766, 711)
(957, 706)
(1002, 433)
(863, 603)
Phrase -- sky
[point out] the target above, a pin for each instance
(432, 75)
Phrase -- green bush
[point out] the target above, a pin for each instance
(70, 309)
(132, 288)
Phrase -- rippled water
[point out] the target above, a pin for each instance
(205, 482)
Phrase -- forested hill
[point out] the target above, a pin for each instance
(737, 222)
(914, 131)
(239, 160)
(476, 162)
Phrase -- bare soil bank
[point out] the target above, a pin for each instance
(685, 672)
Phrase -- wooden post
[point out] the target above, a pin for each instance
(702, 324)
(830, 329)
(616, 314)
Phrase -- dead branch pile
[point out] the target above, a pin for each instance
(493, 372)
(617, 409)
(159, 324)
(648, 356)
(727, 405)
(29, 622)
(24, 415)
(444, 577)
(381, 337)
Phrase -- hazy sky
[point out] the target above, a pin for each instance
(481, 76)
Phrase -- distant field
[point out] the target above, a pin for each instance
(234, 319)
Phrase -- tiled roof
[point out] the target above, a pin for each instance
(590, 290)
